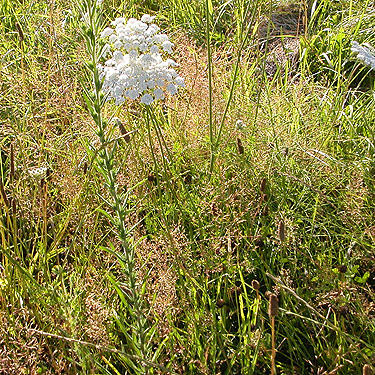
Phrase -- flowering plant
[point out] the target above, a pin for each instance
(136, 67)
(38, 173)
(365, 54)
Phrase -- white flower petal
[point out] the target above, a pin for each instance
(147, 99)
(147, 18)
(106, 32)
(137, 68)
(167, 46)
(171, 88)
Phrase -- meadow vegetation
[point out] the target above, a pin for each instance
(247, 200)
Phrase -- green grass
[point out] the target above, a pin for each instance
(288, 201)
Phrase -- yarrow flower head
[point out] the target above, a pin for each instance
(365, 54)
(38, 173)
(136, 68)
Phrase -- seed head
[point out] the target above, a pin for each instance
(240, 146)
(220, 303)
(282, 231)
(11, 162)
(367, 370)
(343, 268)
(255, 284)
(263, 185)
(3, 194)
(274, 305)
(20, 32)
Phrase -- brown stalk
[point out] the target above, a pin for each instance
(3, 193)
(11, 163)
(273, 311)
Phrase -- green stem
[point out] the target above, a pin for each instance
(105, 158)
(216, 140)
(209, 58)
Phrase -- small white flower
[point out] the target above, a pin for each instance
(118, 21)
(179, 81)
(160, 38)
(159, 94)
(117, 92)
(143, 86)
(171, 88)
(143, 47)
(146, 59)
(38, 173)
(151, 84)
(132, 94)
(170, 62)
(365, 54)
(160, 82)
(106, 32)
(147, 18)
(167, 46)
(117, 44)
(133, 54)
(112, 38)
(118, 56)
(154, 49)
(152, 30)
(136, 67)
(147, 99)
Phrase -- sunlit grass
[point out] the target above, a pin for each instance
(289, 202)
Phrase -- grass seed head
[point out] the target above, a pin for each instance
(220, 303)
(255, 284)
(367, 370)
(274, 305)
(263, 185)
(3, 194)
(241, 149)
(282, 231)
(12, 162)
(20, 32)
(343, 268)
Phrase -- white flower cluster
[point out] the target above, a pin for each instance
(38, 173)
(136, 68)
(364, 54)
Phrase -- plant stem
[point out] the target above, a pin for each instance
(273, 353)
(209, 66)
(104, 159)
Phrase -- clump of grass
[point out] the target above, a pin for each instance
(287, 208)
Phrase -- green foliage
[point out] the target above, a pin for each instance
(326, 53)
(290, 201)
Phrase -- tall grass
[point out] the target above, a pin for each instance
(287, 209)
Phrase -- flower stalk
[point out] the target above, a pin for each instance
(104, 162)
